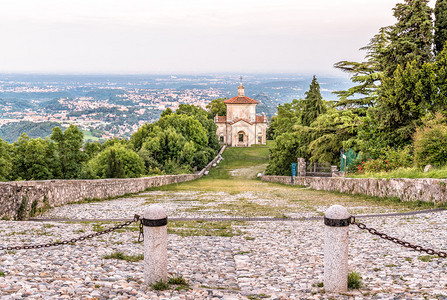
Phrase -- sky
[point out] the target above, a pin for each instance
(187, 36)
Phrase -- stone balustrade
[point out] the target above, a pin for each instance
(420, 189)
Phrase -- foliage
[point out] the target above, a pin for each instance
(411, 38)
(205, 119)
(91, 149)
(12, 131)
(160, 286)
(404, 100)
(354, 280)
(144, 132)
(367, 75)
(440, 25)
(413, 172)
(332, 132)
(22, 210)
(188, 127)
(68, 145)
(5, 160)
(33, 159)
(115, 161)
(178, 142)
(114, 167)
(287, 149)
(313, 105)
(430, 145)
(288, 114)
(217, 107)
(389, 160)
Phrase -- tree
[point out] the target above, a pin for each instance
(366, 75)
(313, 104)
(114, 167)
(68, 150)
(91, 149)
(217, 107)
(144, 132)
(116, 161)
(5, 160)
(205, 119)
(187, 126)
(286, 150)
(440, 25)
(332, 132)
(405, 98)
(411, 38)
(33, 159)
(288, 114)
(440, 69)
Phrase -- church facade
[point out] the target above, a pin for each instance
(241, 127)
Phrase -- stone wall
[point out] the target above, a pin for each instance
(53, 193)
(19, 198)
(423, 189)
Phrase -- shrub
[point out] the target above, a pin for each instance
(390, 159)
(430, 145)
(354, 280)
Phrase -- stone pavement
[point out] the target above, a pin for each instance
(272, 260)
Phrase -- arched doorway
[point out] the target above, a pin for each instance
(241, 139)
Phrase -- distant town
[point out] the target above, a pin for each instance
(116, 106)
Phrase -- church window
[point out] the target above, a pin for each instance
(259, 139)
(241, 137)
(221, 139)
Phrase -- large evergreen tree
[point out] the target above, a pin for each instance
(313, 104)
(411, 38)
(367, 76)
(440, 25)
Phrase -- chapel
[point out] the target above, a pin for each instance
(241, 127)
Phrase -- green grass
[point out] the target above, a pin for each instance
(160, 286)
(354, 280)
(239, 157)
(203, 228)
(178, 280)
(426, 258)
(120, 255)
(175, 281)
(440, 173)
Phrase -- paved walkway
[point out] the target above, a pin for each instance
(244, 260)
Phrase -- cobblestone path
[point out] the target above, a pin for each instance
(224, 260)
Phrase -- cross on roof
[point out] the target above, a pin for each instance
(240, 79)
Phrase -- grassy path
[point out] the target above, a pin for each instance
(232, 189)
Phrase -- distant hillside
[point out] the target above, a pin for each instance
(12, 131)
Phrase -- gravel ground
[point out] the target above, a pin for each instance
(273, 260)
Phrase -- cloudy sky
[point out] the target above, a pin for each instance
(186, 36)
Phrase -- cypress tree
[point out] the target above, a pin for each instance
(313, 104)
(440, 25)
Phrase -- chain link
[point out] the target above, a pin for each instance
(74, 240)
(398, 241)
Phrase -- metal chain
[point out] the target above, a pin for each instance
(398, 241)
(74, 240)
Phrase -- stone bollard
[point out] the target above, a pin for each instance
(155, 223)
(336, 239)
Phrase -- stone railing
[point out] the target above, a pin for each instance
(20, 199)
(34, 195)
(422, 189)
(210, 165)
